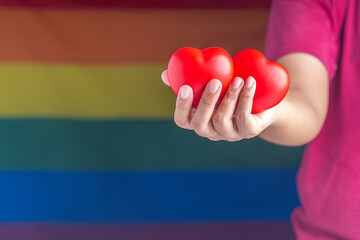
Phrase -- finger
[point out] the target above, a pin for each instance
(164, 78)
(244, 120)
(182, 115)
(246, 97)
(201, 119)
(229, 101)
(192, 113)
(222, 119)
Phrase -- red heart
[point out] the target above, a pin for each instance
(193, 67)
(272, 79)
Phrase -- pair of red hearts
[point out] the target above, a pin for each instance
(193, 67)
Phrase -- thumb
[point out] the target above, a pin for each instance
(164, 78)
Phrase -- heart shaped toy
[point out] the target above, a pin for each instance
(272, 79)
(193, 67)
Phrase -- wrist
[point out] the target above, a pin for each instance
(275, 121)
(276, 116)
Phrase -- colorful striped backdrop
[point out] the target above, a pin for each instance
(88, 148)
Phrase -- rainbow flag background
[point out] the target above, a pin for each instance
(88, 147)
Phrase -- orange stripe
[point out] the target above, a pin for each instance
(137, 4)
(109, 36)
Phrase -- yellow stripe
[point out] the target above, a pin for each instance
(125, 91)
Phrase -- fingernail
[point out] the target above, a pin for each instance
(237, 82)
(214, 86)
(250, 82)
(184, 93)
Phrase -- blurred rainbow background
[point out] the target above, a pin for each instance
(88, 147)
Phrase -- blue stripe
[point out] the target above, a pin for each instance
(253, 194)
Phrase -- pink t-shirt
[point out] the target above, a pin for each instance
(329, 177)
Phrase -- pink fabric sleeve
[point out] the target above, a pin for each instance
(310, 26)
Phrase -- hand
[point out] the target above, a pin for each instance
(231, 121)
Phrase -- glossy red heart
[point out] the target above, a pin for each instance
(193, 67)
(272, 79)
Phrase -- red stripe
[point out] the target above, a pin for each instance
(137, 3)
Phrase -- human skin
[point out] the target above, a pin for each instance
(294, 122)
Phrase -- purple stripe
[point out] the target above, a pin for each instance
(137, 3)
(196, 231)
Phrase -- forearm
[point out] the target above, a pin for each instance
(297, 121)
(300, 116)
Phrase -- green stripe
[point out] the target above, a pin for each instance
(128, 145)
